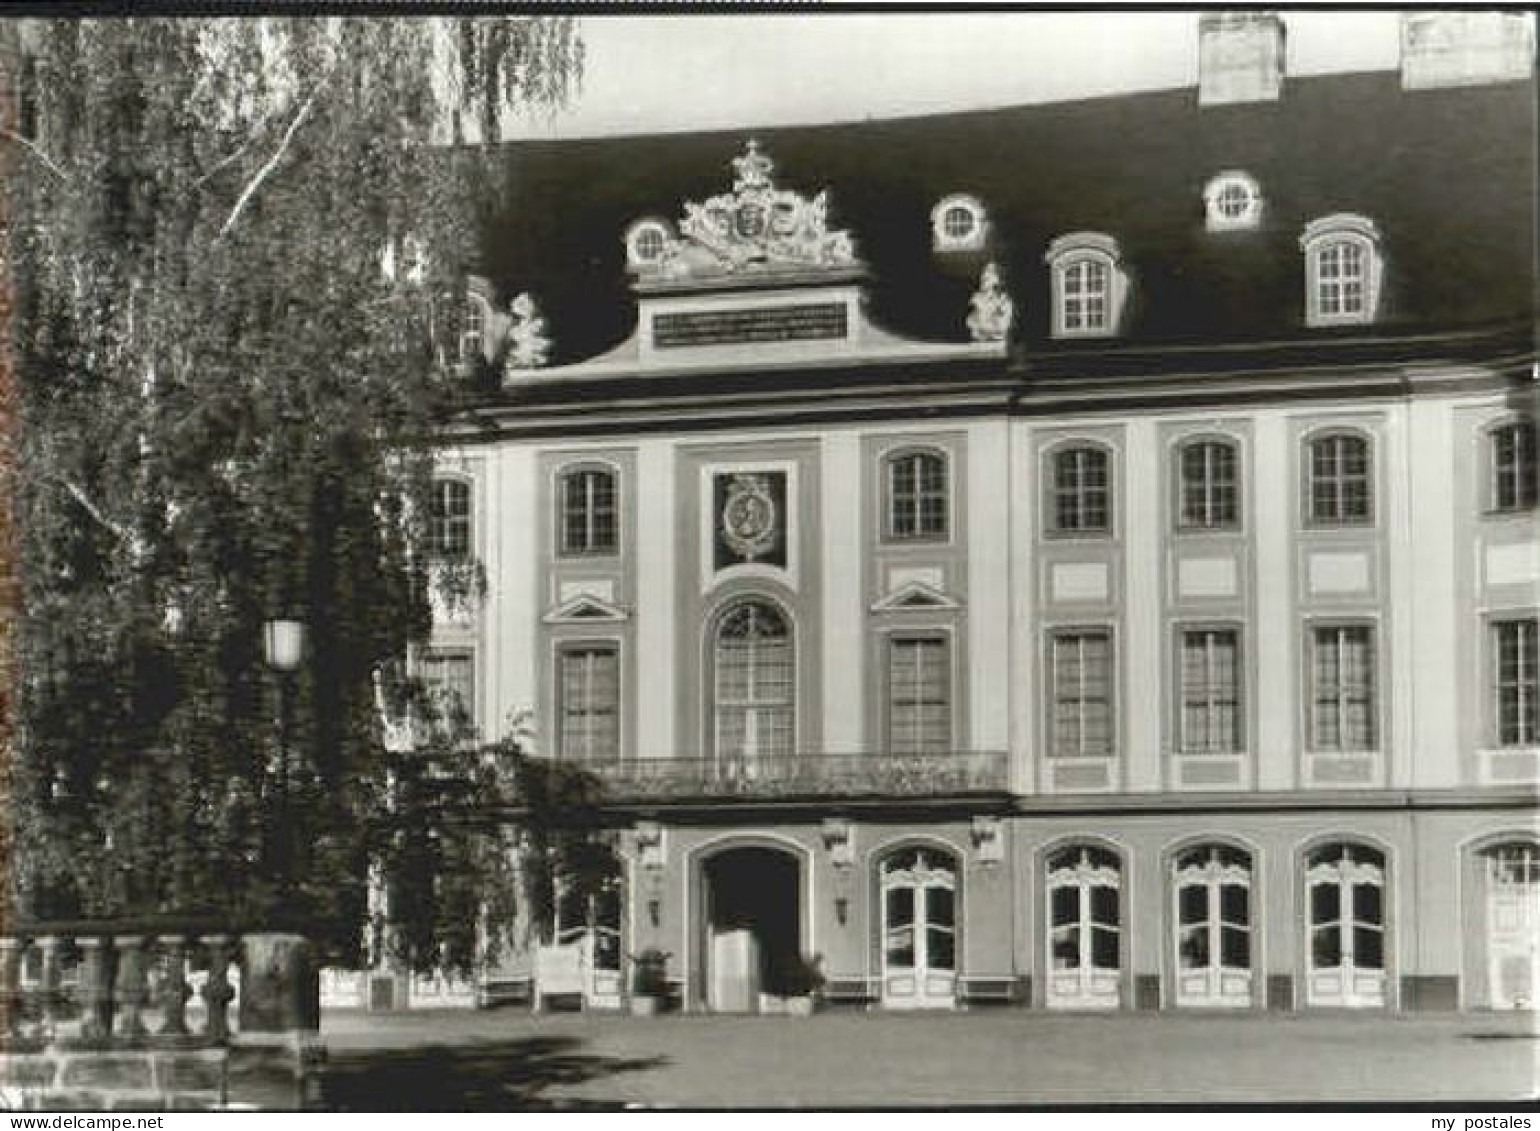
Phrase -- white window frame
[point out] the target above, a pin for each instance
(972, 240)
(755, 705)
(589, 647)
(1052, 524)
(1521, 487)
(1076, 636)
(1343, 229)
(1525, 688)
(1210, 697)
(915, 742)
(1207, 484)
(1341, 702)
(1339, 519)
(1071, 253)
(640, 233)
(564, 476)
(441, 525)
(435, 688)
(890, 465)
(475, 327)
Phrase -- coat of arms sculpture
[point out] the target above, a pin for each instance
(755, 227)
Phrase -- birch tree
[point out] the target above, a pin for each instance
(233, 246)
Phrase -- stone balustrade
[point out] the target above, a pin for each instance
(155, 1015)
(875, 775)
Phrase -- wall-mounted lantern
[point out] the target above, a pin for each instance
(988, 840)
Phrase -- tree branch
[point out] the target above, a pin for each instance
(53, 166)
(92, 509)
(270, 164)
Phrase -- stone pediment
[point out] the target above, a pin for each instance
(583, 609)
(914, 595)
(756, 230)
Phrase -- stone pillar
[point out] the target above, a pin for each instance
(129, 991)
(280, 983)
(174, 990)
(11, 950)
(217, 991)
(95, 988)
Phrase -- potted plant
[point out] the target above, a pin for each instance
(804, 984)
(649, 982)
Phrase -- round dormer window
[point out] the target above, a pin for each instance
(958, 224)
(646, 241)
(1233, 200)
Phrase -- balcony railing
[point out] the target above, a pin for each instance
(806, 775)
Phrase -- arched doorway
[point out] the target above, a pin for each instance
(1085, 928)
(918, 894)
(752, 903)
(1345, 893)
(1211, 895)
(1510, 883)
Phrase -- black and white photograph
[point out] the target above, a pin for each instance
(596, 559)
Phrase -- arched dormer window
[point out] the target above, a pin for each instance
(958, 223)
(917, 495)
(753, 683)
(1089, 285)
(589, 514)
(1343, 269)
(1080, 500)
(449, 519)
(1340, 480)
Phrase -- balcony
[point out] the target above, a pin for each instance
(875, 776)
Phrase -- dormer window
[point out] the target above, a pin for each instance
(1089, 285)
(1342, 270)
(958, 223)
(473, 330)
(645, 242)
(1232, 202)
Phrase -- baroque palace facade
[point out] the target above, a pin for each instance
(1080, 556)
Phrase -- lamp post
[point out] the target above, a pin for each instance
(283, 647)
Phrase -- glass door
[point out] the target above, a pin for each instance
(1084, 929)
(1212, 891)
(1513, 925)
(1346, 898)
(919, 930)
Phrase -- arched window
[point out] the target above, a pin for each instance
(449, 519)
(1085, 925)
(1345, 901)
(1514, 479)
(754, 700)
(1089, 285)
(1082, 491)
(588, 511)
(1211, 892)
(917, 496)
(1342, 270)
(1340, 480)
(1209, 487)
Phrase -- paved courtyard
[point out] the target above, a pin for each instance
(509, 1059)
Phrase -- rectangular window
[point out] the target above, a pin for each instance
(917, 496)
(919, 695)
(588, 690)
(1514, 479)
(588, 512)
(1340, 279)
(449, 519)
(1518, 719)
(1343, 697)
(1081, 492)
(1339, 481)
(449, 678)
(1211, 721)
(1081, 669)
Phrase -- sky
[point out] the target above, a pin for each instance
(649, 74)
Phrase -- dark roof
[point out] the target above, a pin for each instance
(1448, 176)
